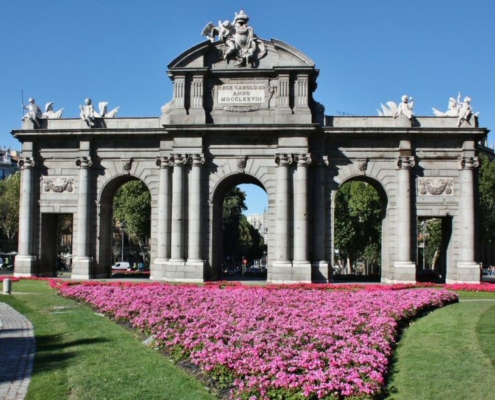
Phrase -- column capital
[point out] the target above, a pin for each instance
(405, 162)
(163, 162)
(468, 162)
(283, 159)
(179, 159)
(196, 159)
(83, 162)
(303, 160)
(26, 163)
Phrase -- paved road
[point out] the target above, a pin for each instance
(17, 348)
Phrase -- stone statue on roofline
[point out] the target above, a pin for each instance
(460, 109)
(239, 40)
(89, 114)
(50, 114)
(393, 110)
(33, 112)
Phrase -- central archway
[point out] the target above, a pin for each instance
(218, 254)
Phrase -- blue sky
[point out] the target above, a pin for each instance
(368, 52)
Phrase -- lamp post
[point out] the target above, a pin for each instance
(122, 226)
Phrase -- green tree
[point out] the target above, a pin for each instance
(487, 200)
(132, 204)
(9, 206)
(430, 236)
(358, 219)
(240, 239)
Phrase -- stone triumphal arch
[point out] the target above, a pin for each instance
(242, 111)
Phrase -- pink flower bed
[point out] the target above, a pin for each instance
(271, 343)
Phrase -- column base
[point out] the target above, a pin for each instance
(287, 272)
(404, 272)
(24, 266)
(158, 268)
(468, 272)
(81, 268)
(182, 271)
(321, 272)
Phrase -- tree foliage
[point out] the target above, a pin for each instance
(430, 236)
(9, 206)
(132, 204)
(240, 238)
(487, 199)
(358, 222)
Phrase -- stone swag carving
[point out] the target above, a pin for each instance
(239, 40)
(58, 184)
(435, 186)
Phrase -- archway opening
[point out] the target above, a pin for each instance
(125, 229)
(433, 237)
(359, 213)
(56, 244)
(240, 231)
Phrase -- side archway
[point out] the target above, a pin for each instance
(359, 231)
(104, 250)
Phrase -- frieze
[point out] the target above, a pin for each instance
(58, 184)
(435, 186)
(241, 109)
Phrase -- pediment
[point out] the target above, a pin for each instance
(209, 55)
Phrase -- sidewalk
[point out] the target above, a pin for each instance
(17, 348)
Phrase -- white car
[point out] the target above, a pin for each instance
(121, 266)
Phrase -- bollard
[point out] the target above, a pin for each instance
(7, 286)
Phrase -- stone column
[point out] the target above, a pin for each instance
(25, 260)
(194, 245)
(320, 213)
(404, 268)
(301, 208)
(301, 266)
(82, 261)
(281, 265)
(163, 250)
(468, 270)
(177, 245)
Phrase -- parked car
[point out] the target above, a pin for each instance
(428, 275)
(121, 266)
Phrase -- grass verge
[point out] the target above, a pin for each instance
(448, 354)
(81, 355)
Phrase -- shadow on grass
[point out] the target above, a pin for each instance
(52, 351)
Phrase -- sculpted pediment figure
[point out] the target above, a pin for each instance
(239, 40)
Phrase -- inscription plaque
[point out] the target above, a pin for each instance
(241, 94)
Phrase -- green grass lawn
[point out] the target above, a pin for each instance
(447, 354)
(81, 355)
